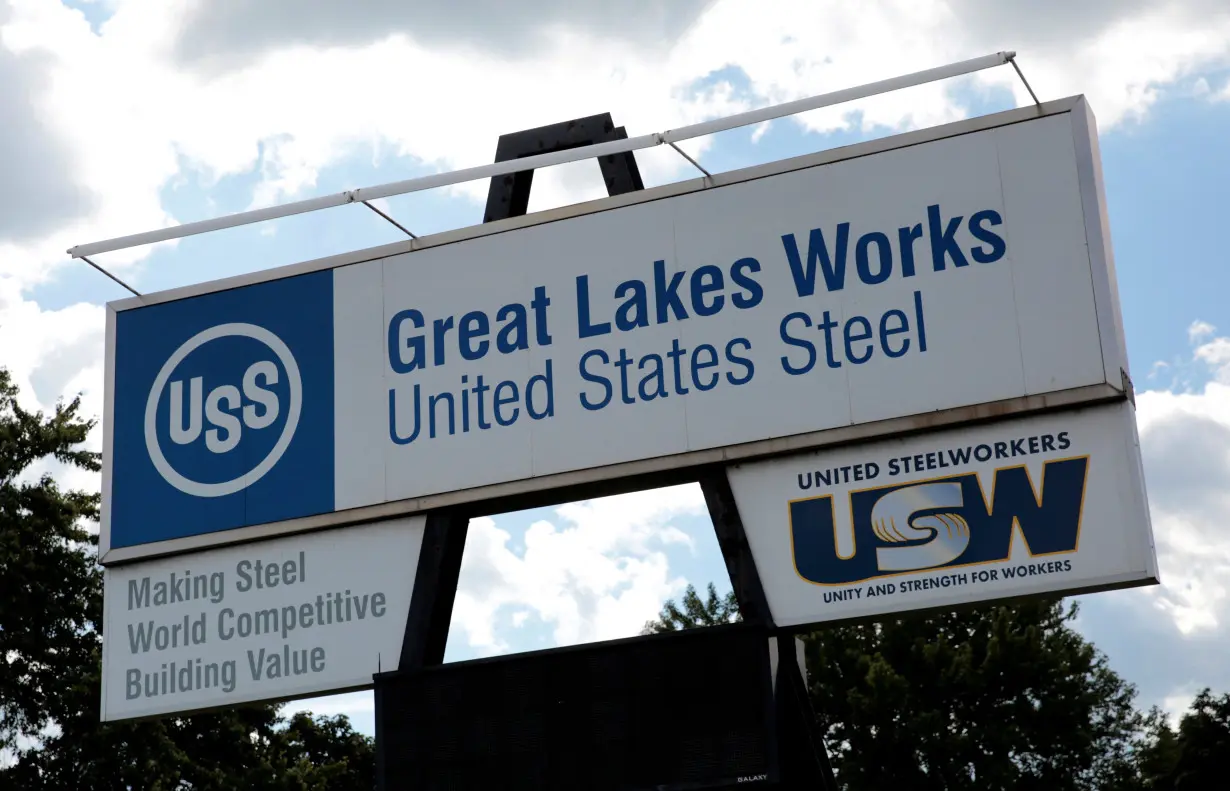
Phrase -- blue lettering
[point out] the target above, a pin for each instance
(667, 296)
(700, 288)
(863, 335)
(635, 310)
(884, 254)
(505, 340)
(545, 380)
(982, 234)
(447, 399)
(698, 366)
(500, 401)
(586, 329)
(827, 326)
(943, 239)
(539, 303)
(784, 332)
(440, 328)
(886, 332)
(674, 354)
(395, 437)
(817, 250)
(601, 380)
(414, 343)
(755, 293)
(906, 238)
(473, 325)
(654, 376)
(741, 361)
(622, 364)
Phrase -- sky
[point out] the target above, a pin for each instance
(127, 115)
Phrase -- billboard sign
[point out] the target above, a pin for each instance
(285, 618)
(1046, 504)
(848, 289)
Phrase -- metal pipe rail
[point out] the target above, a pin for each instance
(669, 137)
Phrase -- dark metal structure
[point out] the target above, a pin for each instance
(726, 708)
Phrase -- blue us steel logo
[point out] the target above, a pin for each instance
(938, 523)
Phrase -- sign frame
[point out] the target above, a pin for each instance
(630, 475)
(1104, 456)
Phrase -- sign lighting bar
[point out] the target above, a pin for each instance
(669, 137)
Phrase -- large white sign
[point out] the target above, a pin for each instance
(967, 269)
(1048, 504)
(279, 619)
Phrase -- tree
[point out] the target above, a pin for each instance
(50, 655)
(1197, 756)
(1006, 696)
(696, 612)
(50, 596)
(997, 697)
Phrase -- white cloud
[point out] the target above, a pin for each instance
(1185, 440)
(228, 31)
(1176, 705)
(134, 116)
(53, 355)
(1199, 330)
(352, 704)
(598, 571)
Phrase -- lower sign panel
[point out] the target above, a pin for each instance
(1048, 504)
(279, 619)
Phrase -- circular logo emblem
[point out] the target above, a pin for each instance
(251, 403)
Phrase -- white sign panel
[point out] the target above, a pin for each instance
(279, 619)
(1047, 504)
(960, 271)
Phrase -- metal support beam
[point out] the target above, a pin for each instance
(610, 148)
(113, 277)
(435, 589)
(393, 222)
(1021, 74)
(696, 164)
(732, 540)
(510, 195)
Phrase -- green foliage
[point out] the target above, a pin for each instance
(51, 592)
(1007, 696)
(1197, 756)
(50, 656)
(997, 697)
(696, 612)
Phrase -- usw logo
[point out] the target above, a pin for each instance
(940, 523)
(223, 409)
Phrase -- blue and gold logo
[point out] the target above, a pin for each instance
(946, 522)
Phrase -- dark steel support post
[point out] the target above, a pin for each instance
(444, 537)
(804, 759)
(509, 196)
(744, 578)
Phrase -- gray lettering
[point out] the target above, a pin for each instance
(139, 640)
(138, 593)
(217, 586)
(267, 621)
(288, 620)
(256, 663)
(245, 579)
